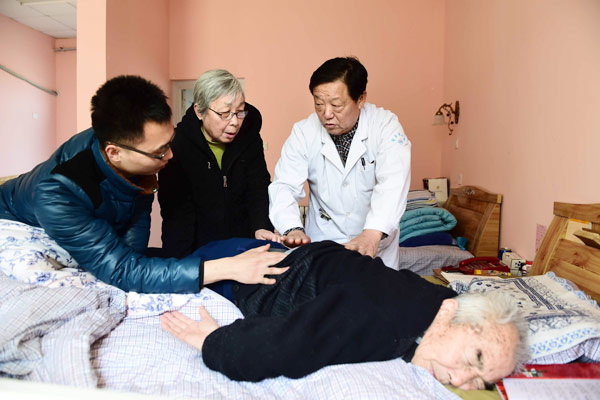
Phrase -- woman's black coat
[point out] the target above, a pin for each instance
(201, 202)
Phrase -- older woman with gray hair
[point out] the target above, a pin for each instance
(215, 187)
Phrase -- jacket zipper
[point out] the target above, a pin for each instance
(224, 177)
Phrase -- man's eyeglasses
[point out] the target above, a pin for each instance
(155, 156)
(226, 116)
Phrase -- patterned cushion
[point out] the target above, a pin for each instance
(564, 323)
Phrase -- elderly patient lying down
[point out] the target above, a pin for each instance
(334, 306)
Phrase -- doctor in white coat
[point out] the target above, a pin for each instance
(356, 160)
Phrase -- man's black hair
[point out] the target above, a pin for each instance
(347, 69)
(122, 106)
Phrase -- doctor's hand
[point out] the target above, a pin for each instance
(251, 266)
(366, 243)
(295, 238)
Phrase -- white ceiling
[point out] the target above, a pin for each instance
(56, 18)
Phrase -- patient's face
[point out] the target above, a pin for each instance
(465, 358)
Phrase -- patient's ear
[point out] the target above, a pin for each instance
(442, 320)
(448, 308)
(445, 314)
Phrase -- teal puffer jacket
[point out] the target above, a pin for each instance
(99, 217)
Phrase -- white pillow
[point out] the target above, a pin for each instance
(564, 323)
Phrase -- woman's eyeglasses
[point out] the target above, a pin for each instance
(226, 116)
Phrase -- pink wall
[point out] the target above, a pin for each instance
(91, 55)
(276, 45)
(138, 46)
(527, 74)
(66, 82)
(30, 54)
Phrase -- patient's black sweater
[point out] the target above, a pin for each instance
(333, 306)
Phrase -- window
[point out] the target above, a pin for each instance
(183, 98)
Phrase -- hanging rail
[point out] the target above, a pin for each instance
(13, 73)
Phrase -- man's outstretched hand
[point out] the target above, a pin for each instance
(251, 266)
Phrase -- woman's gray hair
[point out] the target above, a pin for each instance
(214, 84)
(480, 309)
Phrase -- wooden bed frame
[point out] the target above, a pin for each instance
(477, 213)
(575, 261)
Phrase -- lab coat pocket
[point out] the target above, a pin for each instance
(366, 175)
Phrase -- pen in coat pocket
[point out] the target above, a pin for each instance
(324, 215)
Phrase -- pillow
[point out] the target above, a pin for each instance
(27, 254)
(564, 323)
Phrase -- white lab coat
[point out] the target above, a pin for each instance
(369, 192)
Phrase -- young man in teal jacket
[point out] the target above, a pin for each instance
(94, 195)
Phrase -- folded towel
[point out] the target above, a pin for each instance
(421, 203)
(414, 195)
(420, 198)
(425, 220)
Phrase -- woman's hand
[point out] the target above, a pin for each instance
(264, 234)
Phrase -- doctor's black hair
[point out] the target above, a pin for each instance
(122, 106)
(347, 69)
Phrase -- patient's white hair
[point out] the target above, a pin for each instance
(480, 309)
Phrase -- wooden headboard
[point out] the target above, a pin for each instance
(571, 259)
(477, 213)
